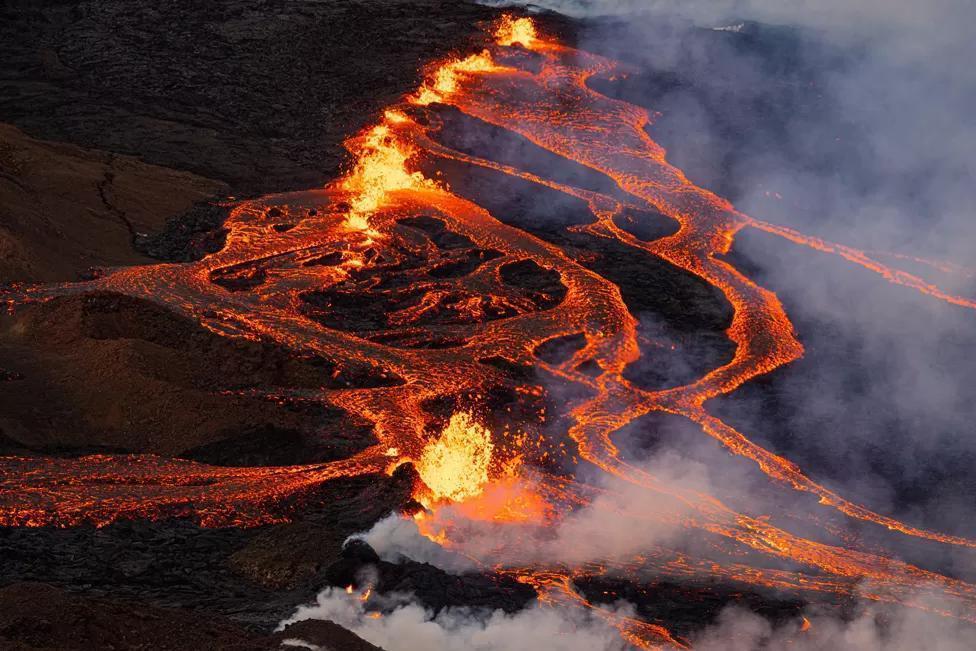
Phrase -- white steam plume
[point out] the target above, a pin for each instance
(873, 630)
(407, 626)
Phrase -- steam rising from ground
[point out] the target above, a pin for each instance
(616, 525)
(873, 630)
(408, 626)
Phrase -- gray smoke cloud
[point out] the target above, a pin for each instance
(904, 83)
(406, 626)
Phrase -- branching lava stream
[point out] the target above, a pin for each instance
(383, 221)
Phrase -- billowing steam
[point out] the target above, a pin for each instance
(407, 626)
(618, 524)
(872, 630)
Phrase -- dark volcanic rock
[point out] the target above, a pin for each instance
(433, 587)
(268, 445)
(437, 231)
(685, 608)
(544, 287)
(37, 616)
(188, 236)
(127, 374)
(254, 576)
(259, 95)
(34, 616)
(325, 635)
(293, 554)
(560, 349)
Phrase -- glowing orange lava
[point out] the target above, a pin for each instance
(381, 168)
(511, 31)
(455, 466)
(447, 77)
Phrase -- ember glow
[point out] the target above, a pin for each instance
(382, 220)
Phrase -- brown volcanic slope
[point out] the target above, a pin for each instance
(64, 209)
(127, 375)
(115, 373)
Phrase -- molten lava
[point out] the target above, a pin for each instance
(455, 467)
(460, 469)
(430, 268)
(447, 77)
(381, 168)
(512, 30)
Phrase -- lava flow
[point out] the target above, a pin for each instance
(428, 275)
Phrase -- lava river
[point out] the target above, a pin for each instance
(388, 269)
